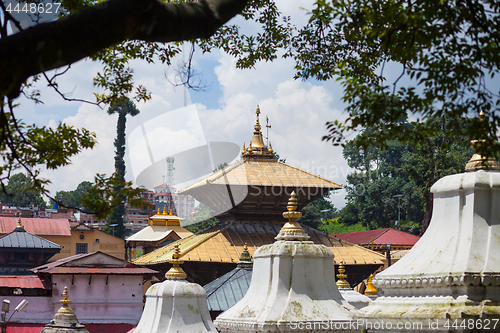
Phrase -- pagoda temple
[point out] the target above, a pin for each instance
(249, 198)
(162, 229)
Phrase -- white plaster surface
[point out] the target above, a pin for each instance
(119, 300)
(354, 298)
(292, 281)
(454, 269)
(175, 306)
(93, 300)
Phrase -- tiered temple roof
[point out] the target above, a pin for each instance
(249, 198)
(163, 228)
(257, 187)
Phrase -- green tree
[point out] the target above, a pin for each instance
(434, 59)
(117, 31)
(122, 109)
(21, 192)
(72, 199)
(312, 215)
(80, 191)
(446, 54)
(220, 167)
(408, 169)
(205, 217)
(65, 199)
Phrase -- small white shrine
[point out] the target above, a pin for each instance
(453, 272)
(175, 305)
(292, 289)
(65, 320)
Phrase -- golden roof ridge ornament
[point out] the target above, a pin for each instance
(245, 258)
(176, 272)
(292, 229)
(370, 288)
(19, 225)
(65, 309)
(477, 161)
(342, 282)
(256, 147)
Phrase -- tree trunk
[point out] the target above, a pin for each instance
(429, 203)
(62, 42)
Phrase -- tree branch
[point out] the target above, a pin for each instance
(51, 45)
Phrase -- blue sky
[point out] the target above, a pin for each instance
(297, 111)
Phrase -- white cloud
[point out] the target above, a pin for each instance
(297, 112)
(85, 165)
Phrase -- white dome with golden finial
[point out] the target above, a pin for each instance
(175, 305)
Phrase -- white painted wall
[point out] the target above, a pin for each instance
(118, 301)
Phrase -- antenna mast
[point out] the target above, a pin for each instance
(267, 130)
(170, 184)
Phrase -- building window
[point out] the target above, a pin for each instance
(81, 248)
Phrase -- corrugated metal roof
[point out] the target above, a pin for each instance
(224, 243)
(37, 226)
(380, 237)
(25, 282)
(98, 270)
(227, 290)
(264, 173)
(105, 264)
(19, 238)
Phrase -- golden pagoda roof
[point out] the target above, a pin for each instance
(264, 173)
(224, 242)
(258, 167)
(160, 226)
(257, 184)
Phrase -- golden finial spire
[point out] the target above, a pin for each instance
(164, 210)
(256, 147)
(65, 309)
(478, 162)
(270, 149)
(292, 229)
(158, 211)
(245, 258)
(245, 255)
(370, 288)
(170, 213)
(19, 225)
(176, 272)
(257, 123)
(341, 282)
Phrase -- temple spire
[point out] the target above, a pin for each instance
(257, 147)
(65, 309)
(292, 229)
(477, 161)
(341, 277)
(370, 288)
(176, 272)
